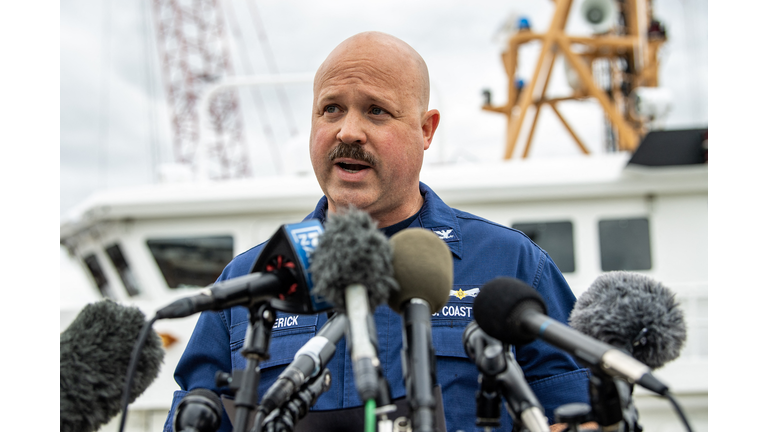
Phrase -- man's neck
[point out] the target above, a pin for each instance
(392, 217)
(394, 229)
(402, 214)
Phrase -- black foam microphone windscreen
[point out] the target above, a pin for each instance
(633, 312)
(423, 267)
(499, 305)
(200, 410)
(352, 251)
(95, 351)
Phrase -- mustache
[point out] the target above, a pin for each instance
(351, 151)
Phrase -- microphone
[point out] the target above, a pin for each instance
(307, 363)
(240, 291)
(638, 315)
(501, 373)
(280, 275)
(512, 311)
(199, 411)
(634, 313)
(352, 269)
(95, 351)
(423, 267)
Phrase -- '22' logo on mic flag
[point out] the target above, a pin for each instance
(307, 238)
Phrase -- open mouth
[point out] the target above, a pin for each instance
(352, 159)
(351, 168)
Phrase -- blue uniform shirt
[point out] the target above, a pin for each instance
(482, 250)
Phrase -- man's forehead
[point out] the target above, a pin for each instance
(362, 91)
(365, 78)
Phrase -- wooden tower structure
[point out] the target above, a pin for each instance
(626, 36)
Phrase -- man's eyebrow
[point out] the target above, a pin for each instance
(327, 96)
(377, 98)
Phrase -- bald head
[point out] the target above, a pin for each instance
(394, 59)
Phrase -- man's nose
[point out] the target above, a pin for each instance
(352, 129)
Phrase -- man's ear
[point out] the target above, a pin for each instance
(429, 126)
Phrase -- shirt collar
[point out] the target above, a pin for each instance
(435, 215)
(439, 218)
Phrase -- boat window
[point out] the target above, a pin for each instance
(94, 268)
(191, 261)
(554, 237)
(625, 244)
(115, 255)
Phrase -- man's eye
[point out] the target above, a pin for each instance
(377, 111)
(331, 109)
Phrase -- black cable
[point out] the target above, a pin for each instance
(145, 332)
(679, 411)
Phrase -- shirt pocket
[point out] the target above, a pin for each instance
(449, 322)
(289, 333)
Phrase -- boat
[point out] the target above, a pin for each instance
(641, 208)
(150, 245)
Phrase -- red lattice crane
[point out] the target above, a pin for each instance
(194, 54)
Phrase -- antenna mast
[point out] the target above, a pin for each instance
(194, 54)
(626, 37)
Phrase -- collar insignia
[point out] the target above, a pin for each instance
(444, 234)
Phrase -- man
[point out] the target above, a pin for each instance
(370, 128)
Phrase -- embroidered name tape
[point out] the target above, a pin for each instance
(452, 311)
(287, 321)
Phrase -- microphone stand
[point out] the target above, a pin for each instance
(488, 397)
(628, 408)
(255, 350)
(419, 364)
(612, 404)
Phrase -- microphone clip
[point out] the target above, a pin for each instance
(640, 339)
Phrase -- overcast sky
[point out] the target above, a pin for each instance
(115, 126)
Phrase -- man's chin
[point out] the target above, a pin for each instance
(343, 199)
